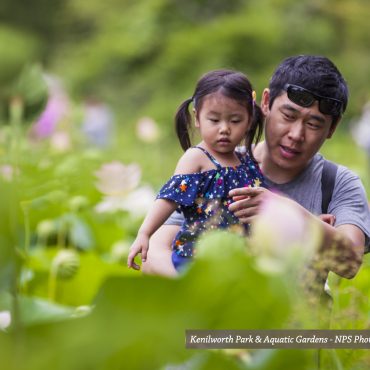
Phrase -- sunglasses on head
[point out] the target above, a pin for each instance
(305, 98)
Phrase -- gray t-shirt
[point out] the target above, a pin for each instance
(348, 203)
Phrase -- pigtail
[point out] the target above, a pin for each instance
(255, 132)
(183, 124)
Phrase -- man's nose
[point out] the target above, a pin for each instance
(296, 131)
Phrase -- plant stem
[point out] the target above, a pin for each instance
(52, 289)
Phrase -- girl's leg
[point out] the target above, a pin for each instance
(159, 261)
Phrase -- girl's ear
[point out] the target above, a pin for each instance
(196, 122)
(265, 102)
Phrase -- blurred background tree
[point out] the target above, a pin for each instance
(144, 56)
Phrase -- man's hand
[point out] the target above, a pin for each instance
(328, 218)
(140, 245)
(247, 202)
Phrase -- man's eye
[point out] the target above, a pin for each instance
(288, 117)
(313, 126)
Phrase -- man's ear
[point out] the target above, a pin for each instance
(265, 101)
(196, 122)
(332, 129)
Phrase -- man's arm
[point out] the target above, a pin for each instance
(343, 249)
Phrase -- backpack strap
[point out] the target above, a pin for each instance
(329, 173)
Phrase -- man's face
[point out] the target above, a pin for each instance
(293, 134)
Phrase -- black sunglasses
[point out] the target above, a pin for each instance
(305, 98)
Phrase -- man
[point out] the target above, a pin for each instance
(305, 101)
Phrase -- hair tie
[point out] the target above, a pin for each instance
(254, 95)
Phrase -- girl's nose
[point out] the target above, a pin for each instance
(225, 127)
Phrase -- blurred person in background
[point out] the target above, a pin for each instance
(303, 105)
(361, 131)
(98, 123)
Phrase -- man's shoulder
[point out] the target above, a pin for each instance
(319, 160)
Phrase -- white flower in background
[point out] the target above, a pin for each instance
(139, 201)
(147, 130)
(282, 238)
(60, 141)
(119, 183)
(5, 320)
(7, 172)
(115, 178)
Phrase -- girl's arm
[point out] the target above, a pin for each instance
(158, 214)
(190, 162)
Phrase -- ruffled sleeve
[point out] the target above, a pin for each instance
(183, 189)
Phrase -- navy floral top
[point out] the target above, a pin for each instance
(203, 198)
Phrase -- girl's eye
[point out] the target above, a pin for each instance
(236, 121)
(213, 120)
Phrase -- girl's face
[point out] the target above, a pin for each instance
(222, 122)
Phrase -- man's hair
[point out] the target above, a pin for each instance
(315, 73)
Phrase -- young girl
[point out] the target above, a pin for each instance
(226, 115)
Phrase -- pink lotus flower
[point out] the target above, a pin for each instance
(56, 110)
(282, 237)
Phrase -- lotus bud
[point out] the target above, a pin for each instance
(45, 228)
(65, 264)
(78, 203)
(120, 251)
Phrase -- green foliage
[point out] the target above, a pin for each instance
(203, 297)
(17, 48)
(143, 57)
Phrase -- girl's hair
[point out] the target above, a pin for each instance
(234, 85)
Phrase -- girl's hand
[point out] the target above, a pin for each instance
(247, 202)
(140, 245)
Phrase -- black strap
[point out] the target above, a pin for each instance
(210, 156)
(329, 173)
